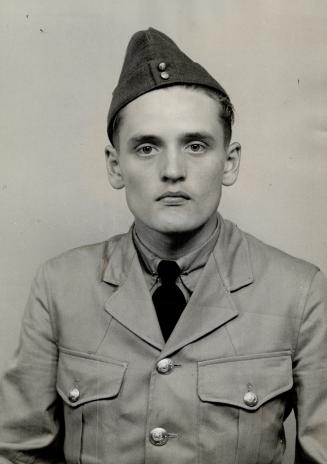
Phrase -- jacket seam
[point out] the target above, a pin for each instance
(91, 357)
(245, 357)
(50, 307)
(303, 300)
(104, 336)
(230, 339)
(105, 259)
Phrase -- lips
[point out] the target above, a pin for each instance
(179, 194)
(173, 198)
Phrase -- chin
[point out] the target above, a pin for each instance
(176, 227)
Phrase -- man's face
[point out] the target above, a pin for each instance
(172, 160)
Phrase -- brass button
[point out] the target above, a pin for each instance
(158, 436)
(165, 366)
(74, 395)
(164, 75)
(162, 66)
(250, 399)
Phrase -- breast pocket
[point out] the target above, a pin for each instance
(242, 406)
(89, 386)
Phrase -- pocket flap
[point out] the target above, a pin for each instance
(245, 381)
(82, 378)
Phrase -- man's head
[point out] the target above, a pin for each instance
(170, 141)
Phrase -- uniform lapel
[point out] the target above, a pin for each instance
(211, 305)
(131, 303)
(209, 308)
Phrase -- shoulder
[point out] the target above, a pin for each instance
(90, 259)
(268, 255)
(269, 262)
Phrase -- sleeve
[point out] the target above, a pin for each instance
(31, 415)
(310, 377)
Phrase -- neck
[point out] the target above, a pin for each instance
(173, 246)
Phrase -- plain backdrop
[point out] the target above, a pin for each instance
(59, 64)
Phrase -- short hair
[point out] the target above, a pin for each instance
(226, 112)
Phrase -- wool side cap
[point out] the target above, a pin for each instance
(153, 61)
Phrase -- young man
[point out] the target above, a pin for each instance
(184, 340)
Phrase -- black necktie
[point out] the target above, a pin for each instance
(168, 299)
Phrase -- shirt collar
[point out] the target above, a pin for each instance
(231, 252)
(188, 263)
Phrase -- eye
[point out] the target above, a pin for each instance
(146, 150)
(196, 147)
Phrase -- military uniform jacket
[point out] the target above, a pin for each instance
(94, 383)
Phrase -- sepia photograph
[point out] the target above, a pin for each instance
(163, 192)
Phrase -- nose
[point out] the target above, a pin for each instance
(173, 168)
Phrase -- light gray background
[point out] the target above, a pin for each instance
(60, 61)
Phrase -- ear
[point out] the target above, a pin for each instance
(232, 164)
(113, 167)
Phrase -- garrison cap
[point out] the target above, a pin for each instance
(153, 61)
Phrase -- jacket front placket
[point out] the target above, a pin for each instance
(173, 400)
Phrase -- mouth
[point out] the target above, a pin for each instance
(173, 198)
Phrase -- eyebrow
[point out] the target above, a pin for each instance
(204, 136)
(143, 138)
(184, 138)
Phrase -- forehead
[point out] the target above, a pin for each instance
(170, 110)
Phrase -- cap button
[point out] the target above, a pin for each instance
(162, 66)
(164, 75)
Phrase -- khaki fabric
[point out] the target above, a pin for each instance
(84, 387)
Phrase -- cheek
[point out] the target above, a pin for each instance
(136, 191)
(141, 182)
(211, 181)
(135, 178)
(132, 181)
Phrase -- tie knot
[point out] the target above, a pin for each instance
(168, 271)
